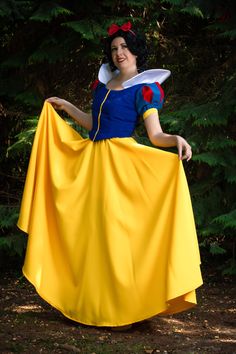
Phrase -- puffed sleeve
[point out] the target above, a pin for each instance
(149, 99)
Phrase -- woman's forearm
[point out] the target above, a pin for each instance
(80, 117)
(164, 140)
(158, 138)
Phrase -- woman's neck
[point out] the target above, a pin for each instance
(126, 75)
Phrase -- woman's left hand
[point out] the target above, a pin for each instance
(184, 149)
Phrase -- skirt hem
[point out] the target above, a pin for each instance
(161, 313)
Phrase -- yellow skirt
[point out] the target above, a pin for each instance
(112, 238)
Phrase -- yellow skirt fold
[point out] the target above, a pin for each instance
(112, 237)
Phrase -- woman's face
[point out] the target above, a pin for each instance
(121, 55)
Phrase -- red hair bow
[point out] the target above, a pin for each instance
(125, 27)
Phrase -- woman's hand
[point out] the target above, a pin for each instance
(158, 138)
(57, 103)
(184, 149)
(83, 119)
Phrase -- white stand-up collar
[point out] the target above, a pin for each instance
(146, 77)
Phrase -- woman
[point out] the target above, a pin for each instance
(112, 239)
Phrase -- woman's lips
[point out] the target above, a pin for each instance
(120, 60)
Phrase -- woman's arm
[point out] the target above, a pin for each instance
(158, 138)
(80, 117)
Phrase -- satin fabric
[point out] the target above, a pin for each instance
(112, 237)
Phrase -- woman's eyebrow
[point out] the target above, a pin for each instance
(115, 46)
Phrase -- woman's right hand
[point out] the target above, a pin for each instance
(83, 119)
(57, 103)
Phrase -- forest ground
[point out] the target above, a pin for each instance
(29, 325)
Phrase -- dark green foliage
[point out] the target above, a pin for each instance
(12, 241)
(209, 123)
(24, 140)
(54, 48)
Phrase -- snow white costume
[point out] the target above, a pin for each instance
(112, 237)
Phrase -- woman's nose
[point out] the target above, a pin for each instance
(119, 50)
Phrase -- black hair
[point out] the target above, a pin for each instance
(136, 43)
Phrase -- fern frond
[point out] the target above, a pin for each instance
(206, 115)
(136, 3)
(8, 216)
(227, 220)
(29, 98)
(227, 29)
(230, 174)
(10, 9)
(201, 188)
(230, 267)
(85, 28)
(231, 34)
(192, 10)
(53, 49)
(174, 2)
(15, 243)
(24, 141)
(208, 230)
(46, 52)
(206, 206)
(210, 158)
(32, 121)
(5, 10)
(216, 249)
(25, 137)
(209, 115)
(220, 142)
(49, 10)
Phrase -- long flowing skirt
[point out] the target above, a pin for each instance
(112, 238)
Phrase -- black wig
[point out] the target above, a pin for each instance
(136, 43)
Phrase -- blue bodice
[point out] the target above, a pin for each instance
(115, 113)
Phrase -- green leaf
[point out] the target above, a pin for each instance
(29, 97)
(220, 142)
(174, 2)
(231, 34)
(208, 115)
(230, 174)
(86, 28)
(227, 29)
(8, 216)
(48, 51)
(24, 142)
(210, 158)
(136, 3)
(15, 243)
(227, 220)
(230, 267)
(192, 10)
(49, 10)
(5, 9)
(24, 138)
(216, 249)
(206, 231)
(9, 8)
